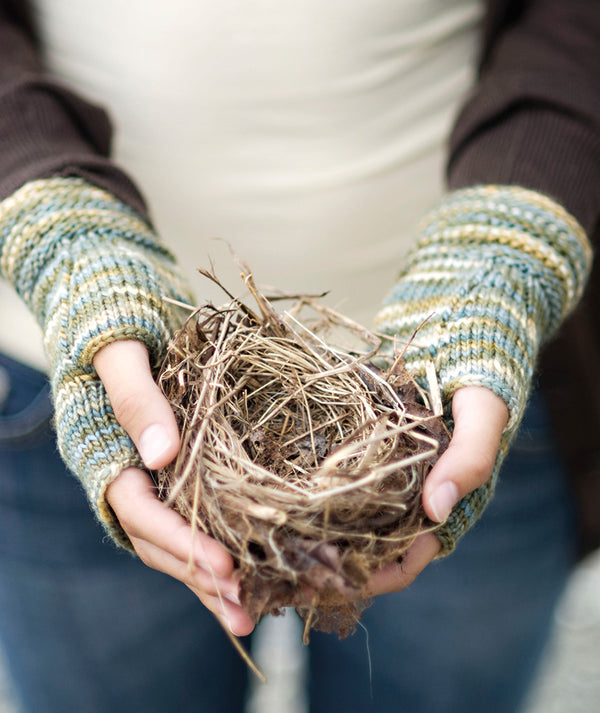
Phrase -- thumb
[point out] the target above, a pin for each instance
(479, 421)
(138, 403)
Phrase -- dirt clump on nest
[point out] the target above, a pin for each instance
(304, 460)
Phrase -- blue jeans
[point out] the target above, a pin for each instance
(88, 628)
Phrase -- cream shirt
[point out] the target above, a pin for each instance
(308, 135)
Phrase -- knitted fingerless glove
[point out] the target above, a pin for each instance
(495, 271)
(92, 271)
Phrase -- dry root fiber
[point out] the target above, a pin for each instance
(304, 460)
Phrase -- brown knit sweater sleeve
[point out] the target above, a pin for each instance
(45, 129)
(534, 117)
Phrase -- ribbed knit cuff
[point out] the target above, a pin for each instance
(494, 273)
(92, 271)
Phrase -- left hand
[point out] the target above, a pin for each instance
(479, 420)
(162, 539)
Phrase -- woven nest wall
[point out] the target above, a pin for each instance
(304, 460)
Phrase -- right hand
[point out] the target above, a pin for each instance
(161, 537)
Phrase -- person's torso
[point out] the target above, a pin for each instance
(310, 136)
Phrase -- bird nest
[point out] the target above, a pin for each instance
(306, 461)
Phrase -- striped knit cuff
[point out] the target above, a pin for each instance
(494, 273)
(92, 271)
(65, 241)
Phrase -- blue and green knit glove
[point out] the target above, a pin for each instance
(494, 273)
(92, 271)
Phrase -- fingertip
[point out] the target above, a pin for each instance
(234, 598)
(157, 446)
(239, 623)
(441, 501)
(480, 417)
(243, 629)
(232, 616)
(137, 401)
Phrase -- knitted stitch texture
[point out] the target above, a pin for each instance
(494, 273)
(92, 271)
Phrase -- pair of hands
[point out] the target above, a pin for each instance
(163, 539)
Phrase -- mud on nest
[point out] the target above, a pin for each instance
(304, 460)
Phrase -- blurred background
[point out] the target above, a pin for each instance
(569, 679)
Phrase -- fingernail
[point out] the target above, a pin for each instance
(153, 443)
(233, 598)
(443, 500)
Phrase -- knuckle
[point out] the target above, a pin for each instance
(144, 555)
(144, 558)
(480, 468)
(128, 524)
(128, 408)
